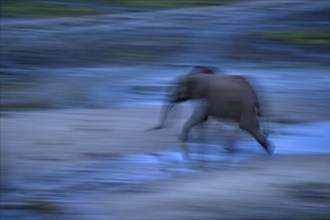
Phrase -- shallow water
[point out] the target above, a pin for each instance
(50, 195)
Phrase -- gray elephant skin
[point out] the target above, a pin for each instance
(225, 97)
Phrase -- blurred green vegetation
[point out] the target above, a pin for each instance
(41, 206)
(73, 8)
(44, 9)
(315, 218)
(320, 38)
(167, 3)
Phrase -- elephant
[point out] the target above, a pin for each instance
(172, 94)
(225, 97)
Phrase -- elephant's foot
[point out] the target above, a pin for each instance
(230, 147)
(158, 127)
(182, 137)
(269, 147)
(185, 151)
(265, 133)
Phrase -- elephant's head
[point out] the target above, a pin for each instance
(180, 91)
(202, 70)
(191, 87)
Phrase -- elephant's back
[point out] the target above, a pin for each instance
(230, 95)
(232, 87)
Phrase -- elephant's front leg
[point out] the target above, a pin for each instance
(193, 121)
(199, 116)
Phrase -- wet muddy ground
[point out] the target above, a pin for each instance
(98, 164)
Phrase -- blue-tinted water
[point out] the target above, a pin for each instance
(49, 195)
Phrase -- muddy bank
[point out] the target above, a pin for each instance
(271, 188)
(100, 164)
(280, 187)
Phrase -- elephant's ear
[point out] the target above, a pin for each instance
(191, 83)
(197, 86)
(191, 87)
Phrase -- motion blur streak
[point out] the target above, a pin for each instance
(82, 81)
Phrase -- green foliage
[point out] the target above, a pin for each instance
(40, 206)
(320, 38)
(315, 218)
(130, 53)
(72, 8)
(44, 9)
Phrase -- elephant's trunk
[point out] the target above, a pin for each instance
(164, 113)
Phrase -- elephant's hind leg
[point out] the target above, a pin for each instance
(251, 125)
(260, 138)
